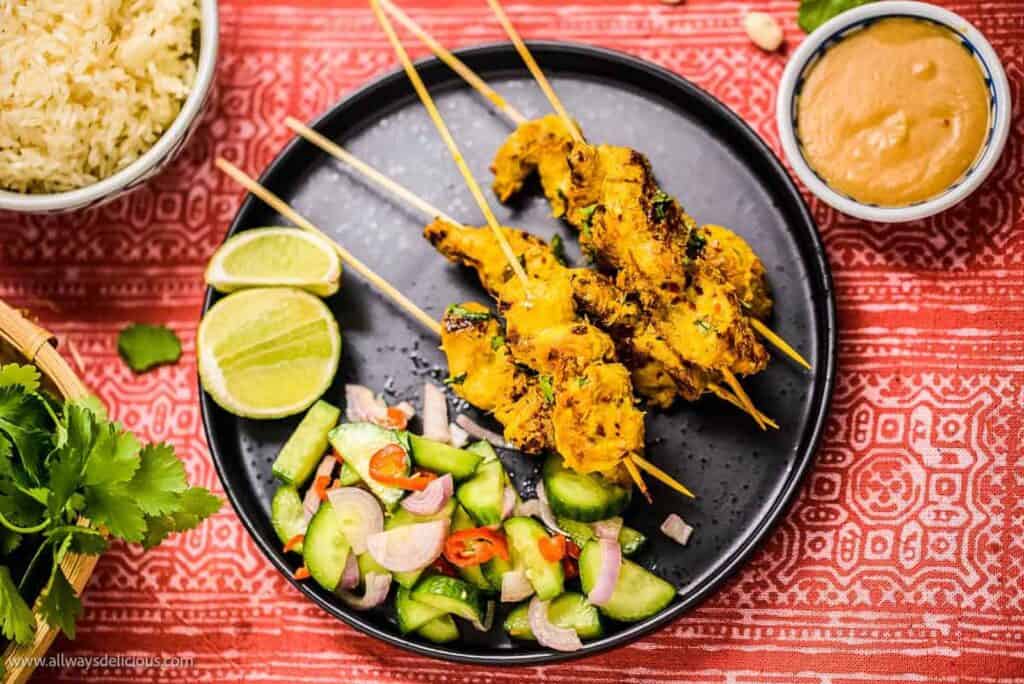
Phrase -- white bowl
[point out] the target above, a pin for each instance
(155, 158)
(826, 35)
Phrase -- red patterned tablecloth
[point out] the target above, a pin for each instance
(903, 558)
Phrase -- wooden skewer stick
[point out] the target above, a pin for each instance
(660, 474)
(281, 207)
(724, 393)
(778, 342)
(741, 394)
(637, 478)
(362, 167)
(456, 64)
(535, 69)
(449, 141)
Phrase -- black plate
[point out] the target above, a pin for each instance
(703, 153)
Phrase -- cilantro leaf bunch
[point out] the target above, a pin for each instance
(71, 481)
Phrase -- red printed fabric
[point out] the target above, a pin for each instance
(903, 557)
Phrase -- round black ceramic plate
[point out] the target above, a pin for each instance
(702, 153)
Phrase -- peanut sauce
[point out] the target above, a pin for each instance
(894, 113)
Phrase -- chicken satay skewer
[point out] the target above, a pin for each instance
(449, 141)
(456, 64)
(474, 80)
(430, 212)
(383, 285)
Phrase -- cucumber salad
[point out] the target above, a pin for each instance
(377, 512)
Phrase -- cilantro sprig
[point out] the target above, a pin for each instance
(62, 463)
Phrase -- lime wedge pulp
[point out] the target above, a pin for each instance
(268, 352)
(275, 257)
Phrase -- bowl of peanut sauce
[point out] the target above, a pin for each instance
(894, 111)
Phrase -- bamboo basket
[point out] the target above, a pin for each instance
(23, 341)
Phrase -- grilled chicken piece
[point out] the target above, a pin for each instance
(628, 224)
(484, 374)
(730, 254)
(596, 422)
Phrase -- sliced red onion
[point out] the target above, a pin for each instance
(480, 432)
(508, 503)
(377, 586)
(608, 575)
(515, 586)
(435, 414)
(350, 577)
(311, 502)
(549, 634)
(488, 621)
(528, 509)
(676, 529)
(408, 548)
(459, 436)
(546, 514)
(608, 529)
(359, 513)
(433, 498)
(362, 405)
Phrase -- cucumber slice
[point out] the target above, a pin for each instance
(306, 446)
(287, 515)
(629, 539)
(412, 614)
(583, 497)
(484, 450)
(347, 475)
(545, 576)
(569, 610)
(482, 497)
(325, 548)
(495, 569)
(440, 630)
(450, 595)
(638, 594)
(357, 443)
(402, 517)
(473, 574)
(443, 458)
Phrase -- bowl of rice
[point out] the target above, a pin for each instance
(96, 96)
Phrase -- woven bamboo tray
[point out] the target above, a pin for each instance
(23, 341)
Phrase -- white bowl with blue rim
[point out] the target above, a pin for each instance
(153, 160)
(827, 35)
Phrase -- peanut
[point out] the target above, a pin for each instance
(763, 30)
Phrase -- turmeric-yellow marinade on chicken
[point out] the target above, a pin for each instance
(696, 286)
(595, 421)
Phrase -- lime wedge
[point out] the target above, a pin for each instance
(268, 352)
(275, 257)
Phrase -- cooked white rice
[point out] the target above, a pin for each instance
(87, 86)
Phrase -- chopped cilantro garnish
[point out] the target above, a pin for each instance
(582, 381)
(558, 249)
(60, 462)
(660, 203)
(145, 346)
(546, 388)
(467, 314)
(695, 243)
(455, 379)
(705, 325)
(497, 342)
